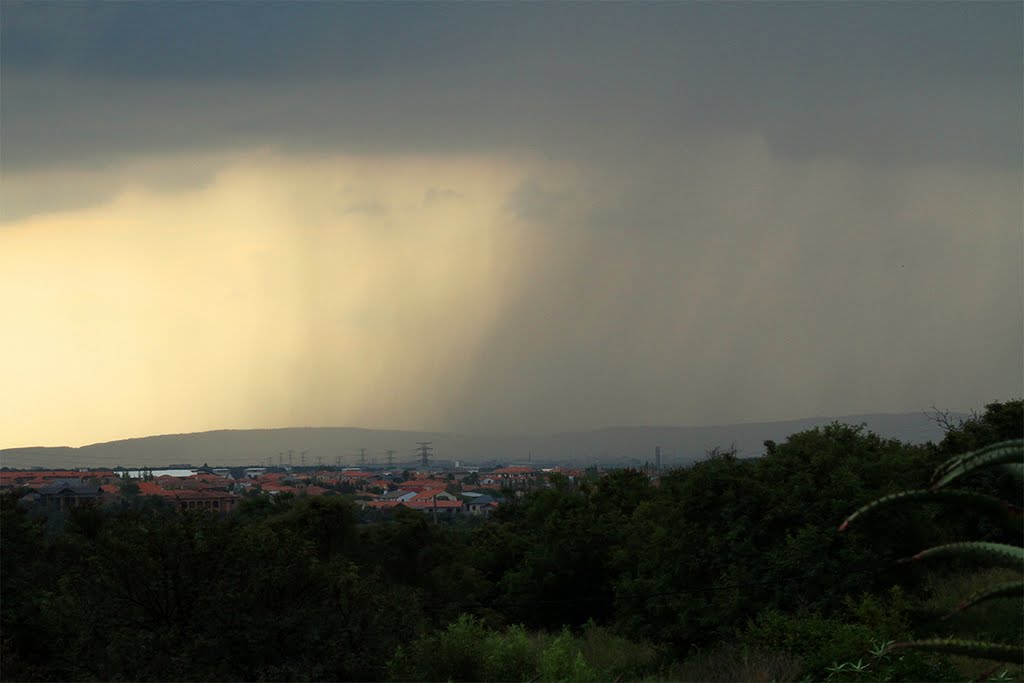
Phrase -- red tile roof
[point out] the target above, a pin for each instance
(383, 504)
(428, 494)
(517, 469)
(279, 488)
(199, 495)
(421, 484)
(151, 488)
(430, 504)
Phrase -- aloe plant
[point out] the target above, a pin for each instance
(1010, 456)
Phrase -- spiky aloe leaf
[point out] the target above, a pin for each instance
(998, 554)
(970, 648)
(987, 504)
(956, 461)
(1016, 469)
(959, 465)
(1004, 453)
(1002, 590)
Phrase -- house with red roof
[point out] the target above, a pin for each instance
(421, 484)
(514, 472)
(316, 491)
(383, 504)
(431, 494)
(277, 489)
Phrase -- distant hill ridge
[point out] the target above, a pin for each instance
(612, 445)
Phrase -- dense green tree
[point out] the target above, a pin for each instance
(559, 572)
(727, 537)
(288, 588)
(1000, 421)
(25, 567)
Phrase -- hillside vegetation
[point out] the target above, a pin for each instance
(729, 569)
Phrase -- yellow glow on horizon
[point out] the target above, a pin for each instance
(284, 292)
(714, 283)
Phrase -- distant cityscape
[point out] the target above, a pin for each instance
(442, 490)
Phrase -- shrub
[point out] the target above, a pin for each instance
(563, 662)
(818, 642)
(730, 661)
(510, 656)
(615, 657)
(882, 664)
(1008, 455)
(455, 654)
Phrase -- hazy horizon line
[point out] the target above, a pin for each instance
(497, 435)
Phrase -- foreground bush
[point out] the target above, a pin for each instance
(468, 651)
(1008, 455)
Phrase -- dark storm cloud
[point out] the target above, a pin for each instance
(553, 215)
(907, 82)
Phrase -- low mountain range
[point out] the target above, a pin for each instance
(342, 445)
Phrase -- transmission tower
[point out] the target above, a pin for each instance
(391, 458)
(362, 458)
(425, 449)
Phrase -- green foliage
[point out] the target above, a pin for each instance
(129, 489)
(24, 566)
(885, 617)
(563, 662)
(1003, 453)
(999, 554)
(468, 651)
(724, 571)
(881, 663)
(939, 613)
(454, 654)
(971, 648)
(728, 662)
(728, 537)
(1007, 515)
(1001, 590)
(1000, 421)
(847, 648)
(510, 656)
(615, 657)
(815, 640)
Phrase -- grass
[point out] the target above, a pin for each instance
(734, 662)
(1000, 620)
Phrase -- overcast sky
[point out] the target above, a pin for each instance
(504, 218)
